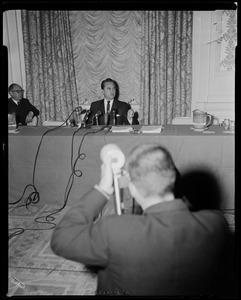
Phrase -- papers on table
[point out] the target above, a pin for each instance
(152, 129)
(122, 128)
(141, 129)
(54, 123)
(228, 131)
(13, 131)
(209, 132)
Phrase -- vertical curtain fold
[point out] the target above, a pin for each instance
(49, 63)
(165, 66)
(68, 54)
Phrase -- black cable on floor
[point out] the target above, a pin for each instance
(49, 218)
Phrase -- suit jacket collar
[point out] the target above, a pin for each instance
(13, 101)
(108, 100)
(114, 105)
(102, 105)
(176, 204)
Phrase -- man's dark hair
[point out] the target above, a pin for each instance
(10, 88)
(107, 80)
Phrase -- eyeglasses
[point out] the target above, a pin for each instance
(18, 91)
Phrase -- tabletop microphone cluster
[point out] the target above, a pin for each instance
(96, 116)
(86, 117)
(80, 110)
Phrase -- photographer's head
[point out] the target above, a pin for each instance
(152, 174)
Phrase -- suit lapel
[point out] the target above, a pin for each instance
(114, 105)
(102, 106)
(13, 103)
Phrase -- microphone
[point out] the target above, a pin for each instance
(117, 156)
(117, 162)
(88, 111)
(86, 117)
(78, 109)
(99, 113)
(114, 115)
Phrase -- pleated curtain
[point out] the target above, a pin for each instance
(166, 66)
(49, 64)
(68, 54)
(107, 44)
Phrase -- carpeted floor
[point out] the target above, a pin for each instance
(35, 270)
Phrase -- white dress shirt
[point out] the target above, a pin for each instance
(15, 101)
(105, 103)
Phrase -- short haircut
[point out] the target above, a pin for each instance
(107, 80)
(151, 169)
(10, 88)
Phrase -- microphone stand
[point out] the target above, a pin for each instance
(118, 202)
(114, 123)
(117, 162)
(84, 121)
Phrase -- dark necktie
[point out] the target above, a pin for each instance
(108, 107)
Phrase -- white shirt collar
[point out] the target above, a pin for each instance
(16, 101)
(109, 100)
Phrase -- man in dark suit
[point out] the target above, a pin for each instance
(111, 111)
(168, 250)
(23, 109)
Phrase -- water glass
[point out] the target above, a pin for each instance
(215, 121)
(232, 125)
(12, 121)
(226, 124)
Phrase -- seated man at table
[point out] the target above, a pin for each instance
(111, 111)
(168, 250)
(24, 111)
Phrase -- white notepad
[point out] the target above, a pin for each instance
(152, 129)
(54, 123)
(122, 128)
(143, 129)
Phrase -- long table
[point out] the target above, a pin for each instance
(46, 158)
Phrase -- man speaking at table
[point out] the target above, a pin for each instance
(168, 250)
(111, 111)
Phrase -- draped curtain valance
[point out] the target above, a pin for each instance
(106, 44)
